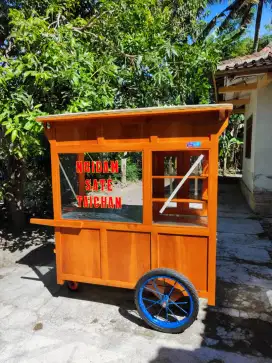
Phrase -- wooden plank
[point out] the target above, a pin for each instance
(238, 102)
(154, 250)
(238, 111)
(104, 254)
(204, 192)
(58, 222)
(55, 170)
(128, 259)
(58, 252)
(238, 88)
(187, 255)
(126, 285)
(184, 230)
(81, 176)
(92, 280)
(203, 176)
(147, 187)
(136, 112)
(84, 146)
(178, 200)
(81, 252)
(212, 219)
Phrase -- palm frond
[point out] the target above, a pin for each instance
(237, 7)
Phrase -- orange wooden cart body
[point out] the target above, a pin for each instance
(118, 253)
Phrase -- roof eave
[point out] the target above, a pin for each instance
(128, 113)
(244, 71)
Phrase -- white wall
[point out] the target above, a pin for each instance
(248, 164)
(263, 141)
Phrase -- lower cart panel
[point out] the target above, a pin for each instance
(120, 258)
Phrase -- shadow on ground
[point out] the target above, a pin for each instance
(222, 331)
(171, 355)
(44, 256)
(32, 235)
(225, 329)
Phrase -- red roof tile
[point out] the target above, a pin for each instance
(261, 58)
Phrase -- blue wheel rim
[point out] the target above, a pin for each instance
(165, 302)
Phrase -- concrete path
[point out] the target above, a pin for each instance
(43, 322)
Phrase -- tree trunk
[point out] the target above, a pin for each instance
(124, 171)
(225, 166)
(15, 192)
(257, 25)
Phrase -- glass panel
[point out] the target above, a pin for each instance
(183, 175)
(102, 186)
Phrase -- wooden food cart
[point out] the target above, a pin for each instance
(135, 204)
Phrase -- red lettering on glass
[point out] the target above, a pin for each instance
(79, 200)
(79, 167)
(114, 166)
(109, 185)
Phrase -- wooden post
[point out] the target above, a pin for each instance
(55, 168)
(81, 176)
(212, 219)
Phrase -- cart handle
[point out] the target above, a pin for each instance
(189, 172)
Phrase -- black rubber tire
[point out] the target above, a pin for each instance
(73, 289)
(185, 282)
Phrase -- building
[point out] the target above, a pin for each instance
(246, 82)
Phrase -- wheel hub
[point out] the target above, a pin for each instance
(164, 301)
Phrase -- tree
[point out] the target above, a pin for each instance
(243, 46)
(257, 25)
(68, 56)
(257, 40)
(229, 143)
(234, 20)
(231, 22)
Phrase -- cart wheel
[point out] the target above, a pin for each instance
(166, 300)
(72, 285)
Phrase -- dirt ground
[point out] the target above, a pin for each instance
(43, 322)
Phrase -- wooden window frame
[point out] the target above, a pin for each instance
(249, 130)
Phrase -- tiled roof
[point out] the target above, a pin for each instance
(262, 58)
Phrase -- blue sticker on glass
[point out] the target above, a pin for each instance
(194, 144)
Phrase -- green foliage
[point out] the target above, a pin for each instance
(54, 60)
(230, 144)
(132, 171)
(61, 56)
(227, 143)
(244, 46)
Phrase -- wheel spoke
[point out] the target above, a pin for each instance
(160, 311)
(149, 300)
(154, 292)
(172, 289)
(156, 287)
(179, 303)
(173, 303)
(152, 305)
(173, 314)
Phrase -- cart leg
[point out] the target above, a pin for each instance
(72, 285)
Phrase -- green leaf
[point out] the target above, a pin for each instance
(28, 126)
(14, 135)
(8, 131)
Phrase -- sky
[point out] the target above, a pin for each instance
(266, 17)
